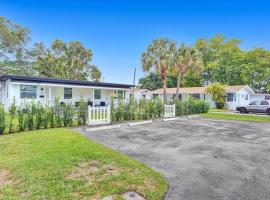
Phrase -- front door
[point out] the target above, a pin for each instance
(42, 95)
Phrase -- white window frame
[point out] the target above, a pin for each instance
(230, 98)
(70, 93)
(97, 92)
(32, 93)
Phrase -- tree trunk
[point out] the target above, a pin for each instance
(179, 77)
(164, 80)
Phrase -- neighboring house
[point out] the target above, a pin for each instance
(46, 90)
(139, 93)
(236, 95)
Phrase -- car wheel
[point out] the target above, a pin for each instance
(268, 111)
(243, 110)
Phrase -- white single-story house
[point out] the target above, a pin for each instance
(236, 95)
(45, 90)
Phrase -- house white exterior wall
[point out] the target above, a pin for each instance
(234, 98)
(47, 93)
(259, 97)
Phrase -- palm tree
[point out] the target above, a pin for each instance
(159, 55)
(186, 58)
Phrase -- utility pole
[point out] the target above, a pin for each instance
(134, 79)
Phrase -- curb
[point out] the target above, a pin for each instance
(102, 128)
(140, 123)
(170, 119)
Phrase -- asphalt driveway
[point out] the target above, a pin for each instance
(201, 158)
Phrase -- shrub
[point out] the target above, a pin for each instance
(82, 112)
(51, 116)
(2, 119)
(191, 106)
(12, 113)
(30, 111)
(68, 114)
(218, 94)
(21, 119)
(58, 112)
(46, 116)
(40, 116)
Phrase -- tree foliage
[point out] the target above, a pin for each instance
(186, 59)
(153, 81)
(226, 63)
(218, 94)
(67, 60)
(13, 52)
(159, 56)
(63, 60)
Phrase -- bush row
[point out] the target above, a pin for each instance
(136, 110)
(150, 109)
(191, 106)
(34, 116)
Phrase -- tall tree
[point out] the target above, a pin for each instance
(63, 60)
(159, 56)
(95, 73)
(13, 51)
(153, 81)
(186, 59)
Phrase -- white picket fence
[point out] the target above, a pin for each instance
(169, 110)
(99, 115)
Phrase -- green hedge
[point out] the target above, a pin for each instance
(31, 116)
(191, 106)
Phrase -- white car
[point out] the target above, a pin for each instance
(256, 107)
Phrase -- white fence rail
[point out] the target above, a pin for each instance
(99, 115)
(169, 110)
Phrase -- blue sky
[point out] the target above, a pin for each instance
(119, 31)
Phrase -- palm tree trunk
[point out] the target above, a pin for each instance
(164, 80)
(178, 85)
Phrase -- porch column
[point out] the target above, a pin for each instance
(50, 94)
(93, 97)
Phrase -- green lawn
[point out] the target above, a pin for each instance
(243, 117)
(218, 110)
(61, 164)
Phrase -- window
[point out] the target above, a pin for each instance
(28, 91)
(179, 96)
(264, 103)
(195, 96)
(230, 97)
(254, 103)
(97, 94)
(67, 93)
(246, 97)
(155, 96)
(121, 94)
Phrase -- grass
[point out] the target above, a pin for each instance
(61, 164)
(218, 110)
(242, 117)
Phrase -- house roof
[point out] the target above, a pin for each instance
(141, 90)
(15, 78)
(193, 90)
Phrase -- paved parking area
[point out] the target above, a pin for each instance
(201, 158)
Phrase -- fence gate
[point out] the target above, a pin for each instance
(169, 110)
(99, 115)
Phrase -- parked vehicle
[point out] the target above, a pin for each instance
(256, 107)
